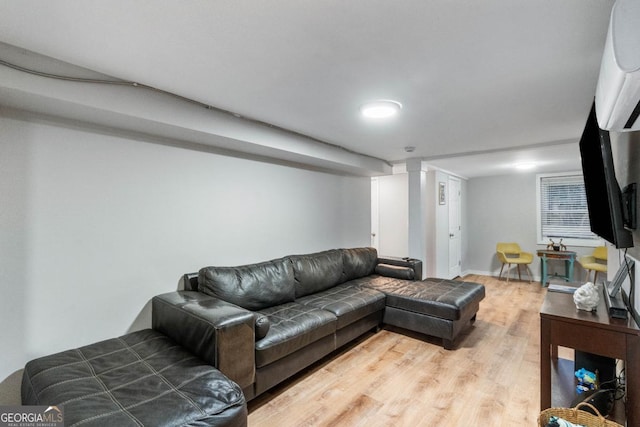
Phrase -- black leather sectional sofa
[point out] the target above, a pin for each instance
(235, 332)
(261, 323)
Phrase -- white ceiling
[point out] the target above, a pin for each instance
(483, 84)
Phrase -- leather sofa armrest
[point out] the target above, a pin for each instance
(412, 263)
(395, 271)
(190, 281)
(219, 332)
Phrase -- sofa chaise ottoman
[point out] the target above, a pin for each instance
(140, 379)
(436, 307)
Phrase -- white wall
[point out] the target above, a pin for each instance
(500, 209)
(94, 224)
(465, 216)
(626, 151)
(393, 215)
(503, 209)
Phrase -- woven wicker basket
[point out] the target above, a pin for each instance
(576, 416)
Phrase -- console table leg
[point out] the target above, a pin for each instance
(543, 268)
(632, 369)
(569, 269)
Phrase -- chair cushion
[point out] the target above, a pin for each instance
(347, 302)
(293, 326)
(600, 252)
(522, 259)
(142, 378)
(254, 286)
(595, 266)
(508, 248)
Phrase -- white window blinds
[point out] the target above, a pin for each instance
(563, 208)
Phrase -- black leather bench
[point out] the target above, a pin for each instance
(139, 379)
(436, 307)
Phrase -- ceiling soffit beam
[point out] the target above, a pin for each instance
(146, 111)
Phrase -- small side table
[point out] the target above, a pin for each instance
(568, 257)
(561, 324)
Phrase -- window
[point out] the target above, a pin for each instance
(562, 210)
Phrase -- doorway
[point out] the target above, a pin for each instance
(455, 228)
(375, 213)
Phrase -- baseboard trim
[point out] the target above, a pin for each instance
(534, 278)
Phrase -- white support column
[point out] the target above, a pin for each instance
(417, 211)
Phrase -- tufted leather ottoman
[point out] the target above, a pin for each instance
(139, 379)
(436, 307)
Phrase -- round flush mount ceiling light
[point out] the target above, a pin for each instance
(380, 109)
(525, 166)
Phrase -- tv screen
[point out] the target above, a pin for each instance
(604, 198)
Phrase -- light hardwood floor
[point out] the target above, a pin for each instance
(398, 378)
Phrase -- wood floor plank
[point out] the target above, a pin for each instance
(399, 378)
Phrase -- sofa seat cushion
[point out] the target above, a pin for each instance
(293, 326)
(373, 281)
(446, 299)
(347, 302)
(142, 378)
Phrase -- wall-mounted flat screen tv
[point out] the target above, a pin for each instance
(611, 211)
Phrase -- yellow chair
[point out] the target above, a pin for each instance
(510, 253)
(596, 262)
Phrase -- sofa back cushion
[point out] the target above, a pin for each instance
(316, 272)
(358, 262)
(254, 286)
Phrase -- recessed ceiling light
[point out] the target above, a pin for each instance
(380, 109)
(525, 166)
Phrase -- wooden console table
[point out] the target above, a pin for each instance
(568, 257)
(561, 324)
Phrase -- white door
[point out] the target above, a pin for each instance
(375, 215)
(455, 241)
